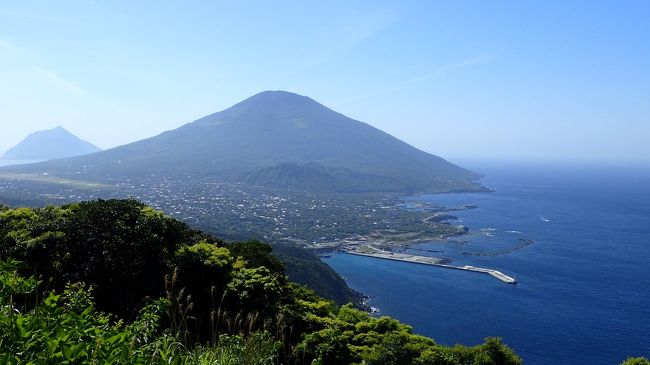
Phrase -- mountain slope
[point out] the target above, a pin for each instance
(48, 145)
(276, 133)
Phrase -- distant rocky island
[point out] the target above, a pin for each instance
(49, 145)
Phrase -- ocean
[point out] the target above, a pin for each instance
(583, 292)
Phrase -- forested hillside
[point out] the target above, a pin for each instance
(115, 282)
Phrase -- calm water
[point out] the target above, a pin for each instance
(584, 287)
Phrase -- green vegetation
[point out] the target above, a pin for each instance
(636, 361)
(115, 282)
(289, 220)
(305, 268)
(66, 329)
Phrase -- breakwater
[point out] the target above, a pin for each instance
(434, 261)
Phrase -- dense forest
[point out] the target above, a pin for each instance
(116, 282)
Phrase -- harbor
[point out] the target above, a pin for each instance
(433, 261)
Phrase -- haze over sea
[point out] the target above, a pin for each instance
(584, 285)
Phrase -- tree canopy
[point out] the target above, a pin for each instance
(117, 282)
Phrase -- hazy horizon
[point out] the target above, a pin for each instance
(465, 81)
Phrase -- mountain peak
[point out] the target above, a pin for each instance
(281, 140)
(278, 98)
(277, 94)
(49, 144)
(269, 107)
(58, 130)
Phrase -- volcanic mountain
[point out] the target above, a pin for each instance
(275, 139)
(48, 145)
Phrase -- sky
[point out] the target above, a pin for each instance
(466, 80)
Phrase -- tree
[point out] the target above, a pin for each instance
(121, 247)
(256, 254)
(636, 361)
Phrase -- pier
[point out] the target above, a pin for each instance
(434, 261)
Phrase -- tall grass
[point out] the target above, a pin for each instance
(66, 329)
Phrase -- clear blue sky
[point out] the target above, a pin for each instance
(525, 80)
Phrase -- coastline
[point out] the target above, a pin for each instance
(398, 243)
(438, 225)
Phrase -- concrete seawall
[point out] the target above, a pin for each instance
(432, 261)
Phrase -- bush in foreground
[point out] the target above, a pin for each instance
(164, 293)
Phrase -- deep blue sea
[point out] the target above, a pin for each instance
(583, 295)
